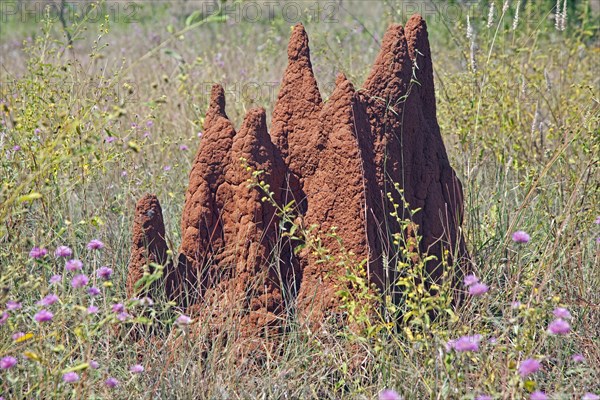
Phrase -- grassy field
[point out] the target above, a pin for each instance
(106, 103)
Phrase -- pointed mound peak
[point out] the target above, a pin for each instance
(255, 120)
(298, 45)
(216, 107)
(393, 66)
(416, 36)
(342, 84)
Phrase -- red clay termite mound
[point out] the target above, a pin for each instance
(340, 161)
(149, 245)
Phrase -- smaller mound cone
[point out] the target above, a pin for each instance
(338, 197)
(149, 245)
(247, 281)
(201, 224)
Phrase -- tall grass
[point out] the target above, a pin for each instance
(88, 127)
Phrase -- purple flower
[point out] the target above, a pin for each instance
(167, 168)
(136, 369)
(578, 358)
(528, 367)
(149, 123)
(63, 251)
(3, 318)
(515, 304)
(92, 310)
(146, 301)
(48, 300)
(200, 135)
(16, 148)
(483, 397)
(122, 316)
(478, 289)
(537, 395)
(559, 327)
(55, 279)
(590, 396)
(18, 335)
(118, 308)
(389, 394)
(8, 362)
(38, 252)
(73, 265)
(560, 312)
(520, 237)
(79, 281)
(95, 244)
(183, 147)
(43, 316)
(465, 343)
(471, 280)
(110, 139)
(111, 382)
(183, 320)
(70, 377)
(94, 291)
(597, 221)
(104, 272)
(13, 305)
(94, 364)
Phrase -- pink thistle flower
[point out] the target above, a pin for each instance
(70, 377)
(529, 367)
(111, 382)
(183, 320)
(43, 316)
(38, 252)
(199, 134)
(95, 244)
(465, 343)
(471, 280)
(478, 289)
(483, 397)
(63, 251)
(389, 394)
(521, 237)
(18, 335)
(597, 221)
(537, 395)
(55, 279)
(578, 358)
(94, 291)
(104, 273)
(136, 369)
(79, 281)
(183, 147)
(122, 316)
(16, 148)
(560, 312)
(13, 305)
(118, 308)
(3, 318)
(8, 362)
(94, 364)
(167, 168)
(48, 300)
(92, 310)
(559, 327)
(110, 139)
(73, 265)
(590, 396)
